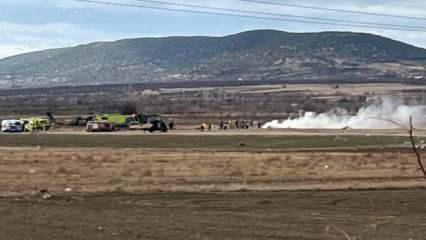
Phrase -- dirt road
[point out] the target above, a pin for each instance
(379, 215)
(192, 131)
(232, 141)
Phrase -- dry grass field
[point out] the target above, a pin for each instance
(193, 193)
(27, 170)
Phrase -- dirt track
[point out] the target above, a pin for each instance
(192, 131)
(235, 141)
(379, 215)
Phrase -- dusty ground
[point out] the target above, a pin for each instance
(348, 215)
(192, 130)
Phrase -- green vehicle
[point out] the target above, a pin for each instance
(37, 124)
(134, 121)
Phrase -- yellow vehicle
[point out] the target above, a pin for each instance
(118, 120)
(37, 124)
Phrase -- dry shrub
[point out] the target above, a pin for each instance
(236, 173)
(104, 158)
(51, 154)
(126, 173)
(25, 156)
(359, 163)
(61, 170)
(257, 173)
(394, 166)
(273, 159)
(303, 164)
(162, 161)
(147, 173)
(115, 181)
(264, 202)
(81, 156)
(392, 156)
(160, 172)
(73, 157)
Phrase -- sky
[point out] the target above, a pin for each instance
(31, 25)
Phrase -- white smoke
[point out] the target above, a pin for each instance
(383, 113)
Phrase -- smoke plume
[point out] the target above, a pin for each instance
(383, 113)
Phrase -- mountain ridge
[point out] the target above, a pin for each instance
(250, 55)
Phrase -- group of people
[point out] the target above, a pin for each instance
(232, 124)
(239, 124)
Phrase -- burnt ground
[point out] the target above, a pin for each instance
(379, 215)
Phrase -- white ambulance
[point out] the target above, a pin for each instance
(12, 125)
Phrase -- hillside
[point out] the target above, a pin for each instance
(255, 55)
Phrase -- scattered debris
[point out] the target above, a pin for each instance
(47, 196)
(44, 190)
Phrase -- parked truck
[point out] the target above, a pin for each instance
(37, 124)
(146, 122)
(118, 120)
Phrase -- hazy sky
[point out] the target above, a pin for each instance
(28, 25)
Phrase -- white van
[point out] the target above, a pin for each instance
(12, 125)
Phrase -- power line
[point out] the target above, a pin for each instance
(281, 15)
(246, 16)
(335, 10)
